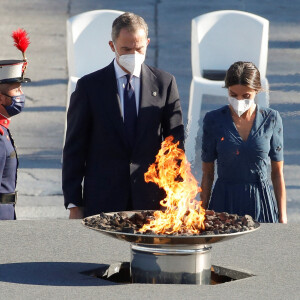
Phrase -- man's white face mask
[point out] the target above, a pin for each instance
(131, 62)
(240, 106)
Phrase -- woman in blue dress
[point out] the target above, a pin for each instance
(242, 137)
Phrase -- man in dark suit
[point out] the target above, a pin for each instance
(117, 118)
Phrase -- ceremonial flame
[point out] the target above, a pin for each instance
(172, 172)
(21, 40)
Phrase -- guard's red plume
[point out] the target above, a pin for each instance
(21, 40)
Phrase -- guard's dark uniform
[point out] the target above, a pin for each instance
(11, 73)
(8, 172)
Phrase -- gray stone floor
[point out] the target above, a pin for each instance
(39, 130)
(51, 268)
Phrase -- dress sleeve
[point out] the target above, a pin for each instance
(209, 151)
(276, 147)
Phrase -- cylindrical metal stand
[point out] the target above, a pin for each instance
(176, 264)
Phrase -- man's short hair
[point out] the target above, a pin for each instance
(130, 21)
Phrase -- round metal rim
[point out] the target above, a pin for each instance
(168, 250)
(150, 239)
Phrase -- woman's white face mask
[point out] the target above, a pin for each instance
(131, 62)
(240, 106)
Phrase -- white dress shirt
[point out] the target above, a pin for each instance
(121, 80)
(121, 83)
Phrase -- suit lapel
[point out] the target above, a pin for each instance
(113, 103)
(149, 95)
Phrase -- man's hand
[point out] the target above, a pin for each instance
(76, 213)
(283, 219)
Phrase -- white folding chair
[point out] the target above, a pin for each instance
(218, 40)
(88, 35)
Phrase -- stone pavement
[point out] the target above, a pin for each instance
(38, 131)
(53, 267)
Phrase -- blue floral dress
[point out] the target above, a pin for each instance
(242, 186)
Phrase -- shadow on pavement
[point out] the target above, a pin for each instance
(50, 273)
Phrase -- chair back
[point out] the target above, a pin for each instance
(88, 35)
(88, 50)
(221, 38)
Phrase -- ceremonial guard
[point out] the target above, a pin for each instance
(12, 101)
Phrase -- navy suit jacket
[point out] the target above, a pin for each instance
(96, 152)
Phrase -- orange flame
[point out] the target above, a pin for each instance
(172, 172)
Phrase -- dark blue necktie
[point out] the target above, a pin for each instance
(130, 114)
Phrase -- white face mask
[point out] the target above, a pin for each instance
(240, 106)
(131, 62)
